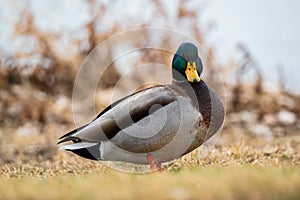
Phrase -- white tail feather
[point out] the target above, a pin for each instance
(79, 145)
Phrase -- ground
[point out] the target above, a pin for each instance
(239, 166)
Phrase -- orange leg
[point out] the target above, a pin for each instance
(154, 166)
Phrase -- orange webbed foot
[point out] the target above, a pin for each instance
(154, 165)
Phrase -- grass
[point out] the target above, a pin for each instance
(231, 182)
(237, 168)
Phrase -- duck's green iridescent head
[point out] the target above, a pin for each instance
(186, 63)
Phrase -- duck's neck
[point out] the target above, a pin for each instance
(200, 96)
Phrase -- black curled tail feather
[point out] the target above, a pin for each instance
(83, 148)
(69, 136)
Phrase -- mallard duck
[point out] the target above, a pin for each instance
(155, 125)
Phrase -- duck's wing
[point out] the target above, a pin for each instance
(123, 115)
(69, 135)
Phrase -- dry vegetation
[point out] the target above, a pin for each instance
(256, 157)
(239, 167)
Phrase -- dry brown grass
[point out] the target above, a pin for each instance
(190, 183)
(238, 167)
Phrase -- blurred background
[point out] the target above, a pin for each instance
(254, 46)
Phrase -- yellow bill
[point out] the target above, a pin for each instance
(191, 73)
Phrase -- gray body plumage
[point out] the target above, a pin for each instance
(164, 121)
